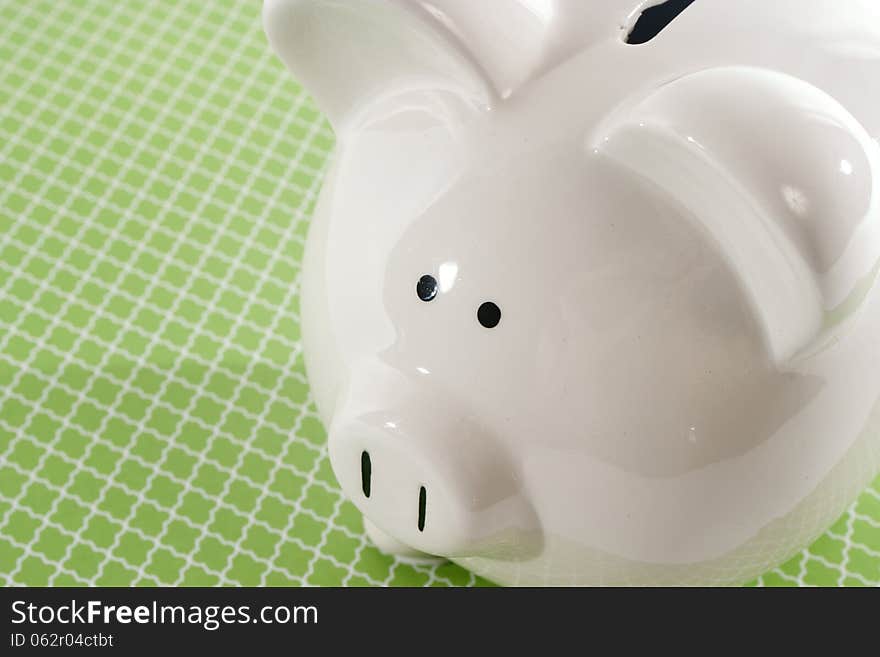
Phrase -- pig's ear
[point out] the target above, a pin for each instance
(347, 52)
(781, 177)
(515, 41)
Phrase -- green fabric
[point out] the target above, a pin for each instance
(158, 170)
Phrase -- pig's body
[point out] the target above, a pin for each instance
(683, 239)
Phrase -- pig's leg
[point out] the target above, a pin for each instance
(390, 545)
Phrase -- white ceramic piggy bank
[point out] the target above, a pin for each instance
(581, 311)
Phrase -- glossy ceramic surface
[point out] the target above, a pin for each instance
(682, 239)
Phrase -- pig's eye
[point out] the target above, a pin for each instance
(489, 314)
(426, 288)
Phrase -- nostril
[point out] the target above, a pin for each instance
(423, 503)
(366, 472)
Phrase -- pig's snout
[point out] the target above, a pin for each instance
(434, 483)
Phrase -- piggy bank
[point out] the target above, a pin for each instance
(581, 306)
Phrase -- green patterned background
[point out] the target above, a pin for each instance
(158, 169)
